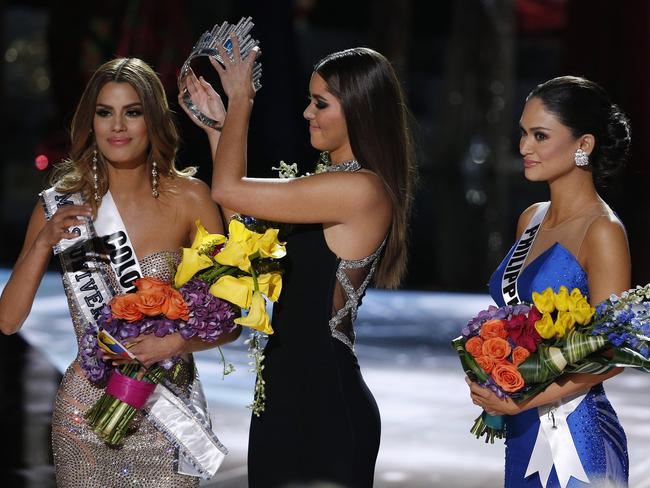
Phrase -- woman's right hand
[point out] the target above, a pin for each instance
(61, 225)
(237, 73)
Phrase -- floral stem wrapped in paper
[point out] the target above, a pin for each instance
(518, 351)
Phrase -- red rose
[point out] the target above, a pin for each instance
(533, 316)
(516, 322)
(526, 336)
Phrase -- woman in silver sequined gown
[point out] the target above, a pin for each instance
(321, 423)
(123, 138)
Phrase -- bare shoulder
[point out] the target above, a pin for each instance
(525, 217)
(606, 232)
(369, 187)
(192, 190)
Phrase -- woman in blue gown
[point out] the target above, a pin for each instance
(571, 133)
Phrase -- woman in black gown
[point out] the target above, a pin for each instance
(321, 423)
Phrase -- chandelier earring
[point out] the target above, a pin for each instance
(581, 158)
(154, 180)
(95, 177)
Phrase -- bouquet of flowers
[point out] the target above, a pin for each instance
(242, 271)
(216, 278)
(517, 351)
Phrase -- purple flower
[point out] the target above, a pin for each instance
(94, 368)
(164, 327)
(128, 330)
(210, 317)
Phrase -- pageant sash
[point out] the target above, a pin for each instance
(108, 224)
(82, 272)
(185, 422)
(554, 445)
(518, 257)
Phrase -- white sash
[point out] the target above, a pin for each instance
(554, 445)
(518, 257)
(185, 422)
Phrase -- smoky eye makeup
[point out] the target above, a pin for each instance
(318, 101)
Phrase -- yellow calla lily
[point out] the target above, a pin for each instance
(203, 238)
(257, 318)
(268, 284)
(235, 254)
(545, 301)
(581, 311)
(269, 246)
(239, 248)
(191, 263)
(235, 290)
(564, 323)
(561, 299)
(545, 326)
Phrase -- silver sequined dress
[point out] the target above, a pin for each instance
(81, 459)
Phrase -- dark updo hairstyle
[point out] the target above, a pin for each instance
(585, 108)
(377, 119)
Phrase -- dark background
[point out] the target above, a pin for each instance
(466, 66)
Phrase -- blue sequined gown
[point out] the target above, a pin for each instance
(597, 434)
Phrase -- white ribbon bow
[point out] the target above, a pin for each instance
(554, 445)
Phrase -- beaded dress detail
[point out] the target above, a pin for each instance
(599, 439)
(147, 458)
(321, 423)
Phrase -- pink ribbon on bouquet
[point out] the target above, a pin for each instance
(129, 390)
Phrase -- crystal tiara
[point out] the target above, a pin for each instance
(207, 46)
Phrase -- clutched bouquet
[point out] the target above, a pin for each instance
(220, 283)
(519, 350)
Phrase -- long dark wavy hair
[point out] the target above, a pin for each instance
(75, 173)
(378, 123)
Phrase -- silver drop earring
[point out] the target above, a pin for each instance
(154, 180)
(95, 176)
(581, 158)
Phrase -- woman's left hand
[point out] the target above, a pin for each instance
(490, 402)
(150, 349)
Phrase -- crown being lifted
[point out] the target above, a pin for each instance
(207, 46)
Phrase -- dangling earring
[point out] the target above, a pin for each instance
(581, 158)
(95, 177)
(154, 180)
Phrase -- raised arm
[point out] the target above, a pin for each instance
(323, 198)
(18, 294)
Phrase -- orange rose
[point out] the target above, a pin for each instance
(507, 377)
(474, 346)
(175, 306)
(496, 348)
(494, 328)
(152, 301)
(519, 355)
(486, 363)
(126, 307)
(148, 283)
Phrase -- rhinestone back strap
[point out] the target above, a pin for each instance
(353, 296)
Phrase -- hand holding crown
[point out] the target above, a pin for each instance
(236, 74)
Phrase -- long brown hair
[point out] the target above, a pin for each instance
(75, 173)
(377, 119)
